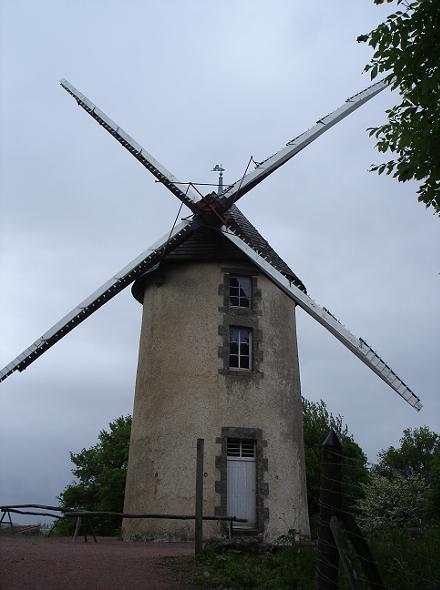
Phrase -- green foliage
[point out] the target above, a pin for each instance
(397, 502)
(404, 487)
(408, 559)
(418, 455)
(101, 472)
(290, 567)
(434, 495)
(414, 456)
(407, 49)
(318, 422)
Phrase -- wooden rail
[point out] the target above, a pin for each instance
(72, 512)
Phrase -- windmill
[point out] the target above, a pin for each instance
(218, 355)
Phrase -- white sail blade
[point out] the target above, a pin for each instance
(143, 263)
(265, 168)
(358, 346)
(188, 196)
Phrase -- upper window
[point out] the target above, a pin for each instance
(240, 346)
(240, 291)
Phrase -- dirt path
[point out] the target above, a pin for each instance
(58, 564)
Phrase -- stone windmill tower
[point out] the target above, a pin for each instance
(218, 357)
(218, 360)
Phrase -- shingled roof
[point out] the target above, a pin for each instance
(209, 244)
(241, 225)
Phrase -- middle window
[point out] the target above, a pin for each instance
(240, 347)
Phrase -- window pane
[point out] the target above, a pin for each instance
(247, 448)
(244, 349)
(233, 447)
(233, 282)
(233, 334)
(244, 362)
(233, 348)
(245, 335)
(233, 361)
(245, 287)
(234, 301)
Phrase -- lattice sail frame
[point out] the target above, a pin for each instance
(150, 259)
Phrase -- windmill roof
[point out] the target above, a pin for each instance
(248, 233)
(209, 244)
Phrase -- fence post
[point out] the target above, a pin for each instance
(199, 498)
(77, 527)
(330, 503)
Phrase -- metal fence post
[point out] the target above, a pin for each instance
(330, 504)
(199, 498)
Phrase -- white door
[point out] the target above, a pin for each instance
(242, 481)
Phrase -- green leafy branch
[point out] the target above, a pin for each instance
(407, 50)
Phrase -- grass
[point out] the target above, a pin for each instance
(286, 568)
(407, 560)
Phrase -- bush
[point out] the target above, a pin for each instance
(393, 502)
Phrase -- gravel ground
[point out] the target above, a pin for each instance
(38, 563)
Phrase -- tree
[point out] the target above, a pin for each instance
(407, 50)
(397, 502)
(101, 472)
(414, 456)
(417, 456)
(318, 421)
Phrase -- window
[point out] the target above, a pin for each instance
(240, 343)
(240, 291)
(243, 448)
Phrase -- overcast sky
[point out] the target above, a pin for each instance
(197, 83)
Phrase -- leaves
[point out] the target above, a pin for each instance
(417, 457)
(414, 456)
(407, 51)
(101, 472)
(404, 487)
(396, 502)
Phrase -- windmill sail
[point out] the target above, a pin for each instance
(265, 168)
(189, 197)
(358, 346)
(143, 263)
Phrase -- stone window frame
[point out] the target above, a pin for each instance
(262, 487)
(240, 299)
(241, 317)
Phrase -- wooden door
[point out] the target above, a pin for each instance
(242, 481)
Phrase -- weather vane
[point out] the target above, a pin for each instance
(219, 168)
